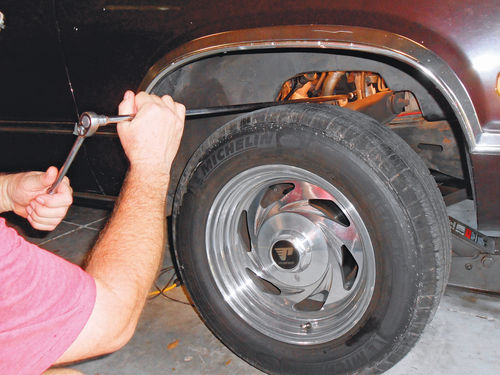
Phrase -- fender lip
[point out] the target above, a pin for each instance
(347, 38)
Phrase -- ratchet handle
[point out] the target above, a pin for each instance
(116, 119)
(69, 160)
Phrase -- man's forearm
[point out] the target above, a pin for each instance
(128, 253)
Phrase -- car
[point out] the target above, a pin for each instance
(308, 197)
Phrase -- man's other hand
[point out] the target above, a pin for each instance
(152, 138)
(28, 198)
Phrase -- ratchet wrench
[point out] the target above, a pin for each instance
(86, 127)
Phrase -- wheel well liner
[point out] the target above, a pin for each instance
(257, 76)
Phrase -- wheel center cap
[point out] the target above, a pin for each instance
(285, 255)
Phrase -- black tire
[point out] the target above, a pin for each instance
(390, 189)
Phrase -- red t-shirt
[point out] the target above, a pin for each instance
(45, 302)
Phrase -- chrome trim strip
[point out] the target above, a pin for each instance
(47, 128)
(344, 38)
(141, 8)
(94, 197)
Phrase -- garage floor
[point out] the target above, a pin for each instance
(463, 338)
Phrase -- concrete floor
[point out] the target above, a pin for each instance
(463, 338)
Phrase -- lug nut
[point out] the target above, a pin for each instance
(306, 326)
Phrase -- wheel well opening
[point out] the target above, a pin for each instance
(427, 122)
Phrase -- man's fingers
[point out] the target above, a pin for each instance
(42, 216)
(142, 98)
(63, 196)
(180, 109)
(154, 132)
(48, 177)
(128, 104)
(167, 99)
(54, 200)
(42, 212)
(156, 99)
(65, 188)
(47, 211)
(40, 226)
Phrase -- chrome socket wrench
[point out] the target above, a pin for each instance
(86, 127)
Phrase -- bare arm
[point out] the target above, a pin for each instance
(125, 260)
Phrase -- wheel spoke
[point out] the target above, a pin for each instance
(340, 234)
(331, 210)
(275, 193)
(344, 236)
(251, 261)
(269, 203)
(316, 296)
(244, 232)
(251, 221)
(292, 293)
(264, 285)
(336, 292)
(304, 191)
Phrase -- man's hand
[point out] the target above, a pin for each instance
(152, 138)
(27, 194)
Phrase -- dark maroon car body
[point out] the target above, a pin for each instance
(59, 58)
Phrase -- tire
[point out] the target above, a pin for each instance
(311, 240)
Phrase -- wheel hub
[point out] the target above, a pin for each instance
(285, 255)
(299, 242)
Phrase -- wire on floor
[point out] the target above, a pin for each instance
(171, 284)
(166, 289)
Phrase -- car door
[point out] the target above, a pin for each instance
(37, 110)
(32, 72)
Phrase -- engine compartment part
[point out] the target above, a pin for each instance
(364, 92)
(350, 86)
(434, 142)
(368, 93)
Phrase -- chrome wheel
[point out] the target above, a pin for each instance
(290, 254)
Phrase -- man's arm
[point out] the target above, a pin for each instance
(125, 259)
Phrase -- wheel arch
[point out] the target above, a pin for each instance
(361, 48)
(248, 66)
